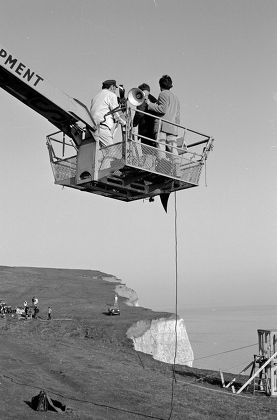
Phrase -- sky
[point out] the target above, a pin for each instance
(222, 57)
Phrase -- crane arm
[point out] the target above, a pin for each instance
(28, 86)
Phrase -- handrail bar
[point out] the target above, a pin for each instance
(179, 148)
(172, 123)
(198, 142)
(173, 147)
(64, 159)
(59, 141)
(53, 134)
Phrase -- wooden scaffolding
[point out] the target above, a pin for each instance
(264, 366)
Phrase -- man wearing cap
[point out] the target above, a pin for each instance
(102, 104)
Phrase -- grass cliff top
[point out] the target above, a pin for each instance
(83, 358)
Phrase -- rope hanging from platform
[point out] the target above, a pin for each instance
(176, 305)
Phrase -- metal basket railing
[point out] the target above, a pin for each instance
(64, 169)
(192, 142)
(184, 162)
(63, 156)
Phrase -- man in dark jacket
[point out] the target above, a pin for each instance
(145, 123)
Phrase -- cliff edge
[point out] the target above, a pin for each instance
(122, 290)
(157, 337)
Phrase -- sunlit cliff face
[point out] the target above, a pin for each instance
(157, 337)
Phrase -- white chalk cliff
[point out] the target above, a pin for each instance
(157, 337)
(127, 293)
(122, 290)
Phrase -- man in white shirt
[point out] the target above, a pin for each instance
(102, 104)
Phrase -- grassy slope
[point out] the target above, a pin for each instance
(89, 364)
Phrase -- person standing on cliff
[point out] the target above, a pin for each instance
(26, 307)
(115, 301)
(49, 313)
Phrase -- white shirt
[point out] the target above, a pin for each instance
(104, 102)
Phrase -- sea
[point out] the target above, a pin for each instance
(226, 338)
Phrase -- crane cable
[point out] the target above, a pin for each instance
(173, 381)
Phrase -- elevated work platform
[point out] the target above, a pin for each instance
(129, 169)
